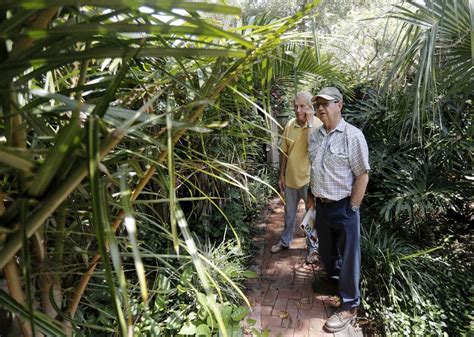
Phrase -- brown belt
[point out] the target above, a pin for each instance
(325, 200)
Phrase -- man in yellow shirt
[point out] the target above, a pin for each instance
(295, 166)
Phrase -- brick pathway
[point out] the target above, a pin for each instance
(282, 300)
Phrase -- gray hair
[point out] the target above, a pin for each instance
(306, 96)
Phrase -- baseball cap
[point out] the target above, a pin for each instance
(329, 93)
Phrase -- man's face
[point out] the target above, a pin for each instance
(329, 112)
(302, 108)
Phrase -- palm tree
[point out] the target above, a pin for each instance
(433, 60)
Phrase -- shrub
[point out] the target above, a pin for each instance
(407, 291)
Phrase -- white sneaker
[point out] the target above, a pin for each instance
(276, 248)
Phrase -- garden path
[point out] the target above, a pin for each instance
(282, 300)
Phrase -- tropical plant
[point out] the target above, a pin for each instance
(418, 127)
(407, 291)
(432, 61)
(102, 105)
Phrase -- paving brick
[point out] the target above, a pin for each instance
(308, 313)
(319, 307)
(264, 286)
(266, 310)
(282, 298)
(305, 303)
(286, 279)
(270, 297)
(316, 327)
(292, 305)
(292, 318)
(281, 332)
(306, 291)
(271, 321)
(280, 305)
(292, 293)
(302, 327)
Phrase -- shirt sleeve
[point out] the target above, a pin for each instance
(284, 139)
(359, 154)
(312, 145)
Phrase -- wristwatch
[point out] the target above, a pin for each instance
(354, 208)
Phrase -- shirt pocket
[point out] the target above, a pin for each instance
(337, 157)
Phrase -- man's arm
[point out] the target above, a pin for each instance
(310, 199)
(358, 190)
(281, 180)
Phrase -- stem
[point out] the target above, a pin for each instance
(52, 202)
(12, 275)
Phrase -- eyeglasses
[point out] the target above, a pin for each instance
(316, 105)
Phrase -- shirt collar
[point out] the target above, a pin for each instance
(295, 125)
(340, 127)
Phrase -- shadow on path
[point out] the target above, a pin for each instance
(282, 300)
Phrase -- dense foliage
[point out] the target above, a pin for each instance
(134, 143)
(417, 247)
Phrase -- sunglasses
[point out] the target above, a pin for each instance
(316, 105)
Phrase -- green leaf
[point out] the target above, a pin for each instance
(166, 5)
(163, 282)
(160, 302)
(174, 321)
(239, 313)
(226, 313)
(249, 274)
(251, 321)
(203, 330)
(188, 329)
(202, 299)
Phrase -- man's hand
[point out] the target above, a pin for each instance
(358, 190)
(310, 118)
(310, 201)
(281, 183)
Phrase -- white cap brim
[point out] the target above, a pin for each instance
(327, 97)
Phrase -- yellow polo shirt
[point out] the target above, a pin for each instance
(295, 146)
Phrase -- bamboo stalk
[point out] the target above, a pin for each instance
(12, 275)
(2, 211)
(18, 139)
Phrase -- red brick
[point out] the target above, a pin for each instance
(270, 297)
(280, 303)
(318, 306)
(316, 327)
(305, 303)
(304, 313)
(302, 327)
(287, 292)
(286, 280)
(283, 300)
(293, 318)
(271, 321)
(266, 310)
(281, 332)
(292, 305)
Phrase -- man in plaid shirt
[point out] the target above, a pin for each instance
(339, 175)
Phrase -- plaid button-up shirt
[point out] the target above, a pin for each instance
(336, 159)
